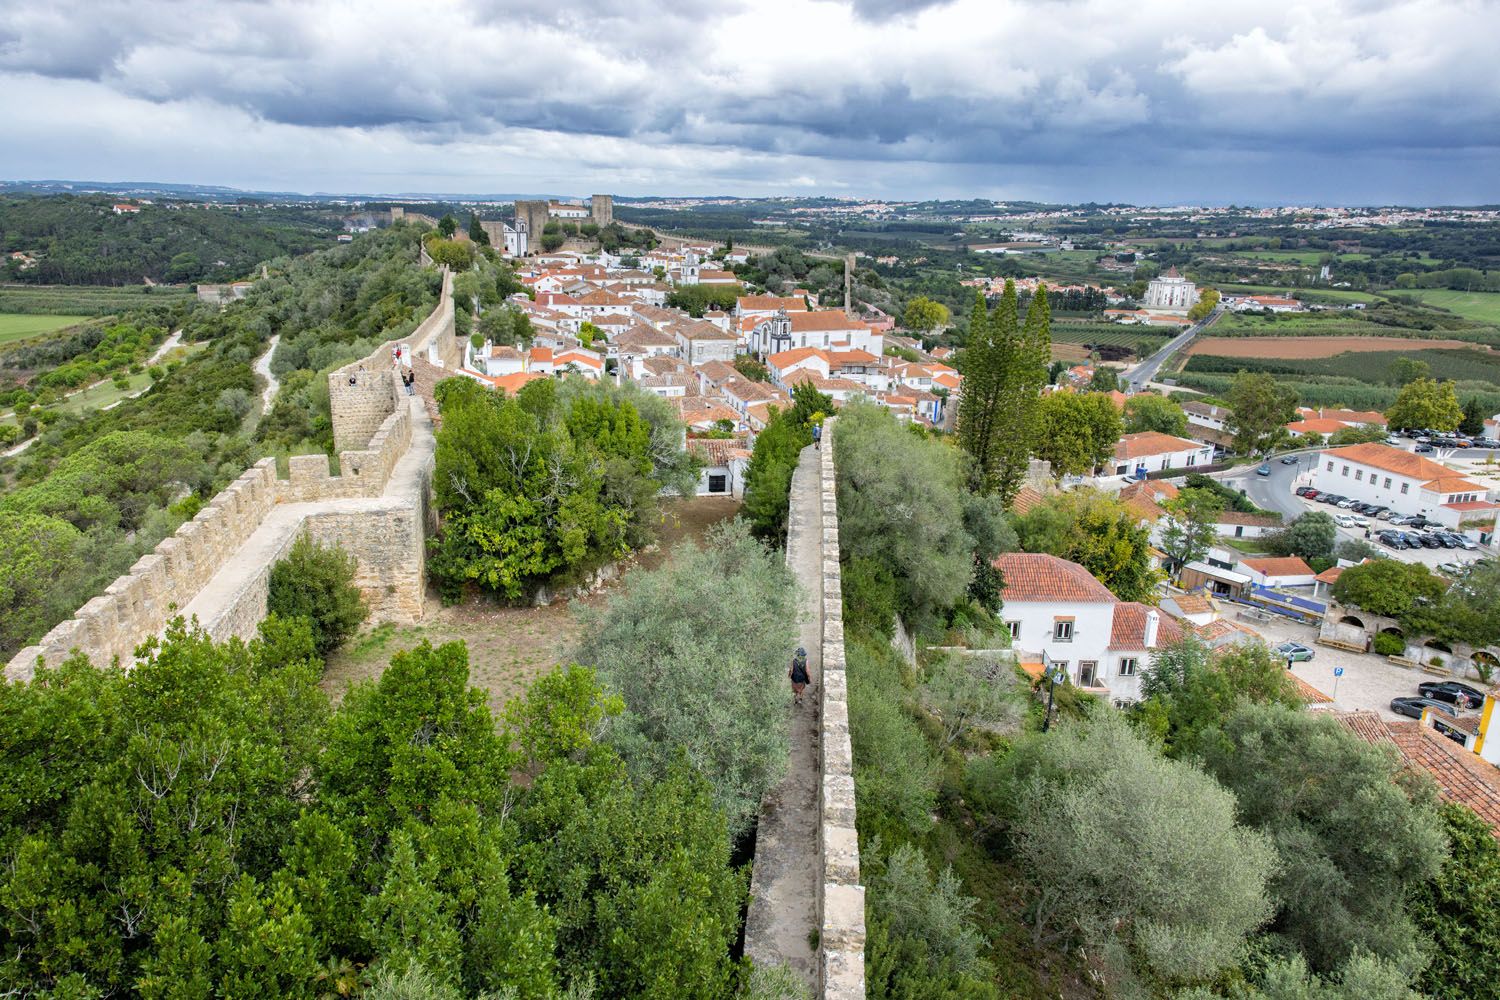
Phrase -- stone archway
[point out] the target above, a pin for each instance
(1351, 620)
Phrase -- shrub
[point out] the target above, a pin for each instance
(317, 583)
(1389, 644)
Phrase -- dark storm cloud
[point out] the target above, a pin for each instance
(962, 86)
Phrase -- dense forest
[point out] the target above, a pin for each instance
(79, 240)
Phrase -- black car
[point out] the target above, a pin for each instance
(1451, 691)
(1331, 497)
(1375, 508)
(1430, 541)
(1412, 707)
(1423, 449)
(1447, 538)
(1394, 539)
(1289, 460)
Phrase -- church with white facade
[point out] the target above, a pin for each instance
(1172, 292)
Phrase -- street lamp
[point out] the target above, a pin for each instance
(1054, 673)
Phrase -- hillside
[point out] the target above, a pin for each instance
(80, 240)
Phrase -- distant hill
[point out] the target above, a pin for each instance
(81, 240)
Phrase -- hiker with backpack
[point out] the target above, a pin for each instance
(798, 674)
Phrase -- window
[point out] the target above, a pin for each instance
(1345, 473)
(1062, 630)
(1191, 460)
(1015, 629)
(1405, 487)
(1330, 466)
(1359, 475)
(1387, 482)
(1127, 666)
(1088, 673)
(1239, 531)
(717, 484)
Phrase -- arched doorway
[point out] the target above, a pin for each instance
(1351, 620)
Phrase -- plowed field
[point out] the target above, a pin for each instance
(1314, 347)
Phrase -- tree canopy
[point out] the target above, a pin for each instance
(1427, 404)
(1262, 408)
(1097, 532)
(1147, 411)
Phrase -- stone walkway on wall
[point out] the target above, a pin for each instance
(407, 484)
(784, 880)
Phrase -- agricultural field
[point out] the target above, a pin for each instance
(1317, 346)
(19, 326)
(74, 301)
(1483, 307)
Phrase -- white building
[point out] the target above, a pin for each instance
(1057, 608)
(724, 463)
(1152, 451)
(1407, 483)
(828, 328)
(1172, 292)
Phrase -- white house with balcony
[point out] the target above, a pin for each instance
(1057, 609)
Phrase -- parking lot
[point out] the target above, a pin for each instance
(1369, 681)
(1430, 558)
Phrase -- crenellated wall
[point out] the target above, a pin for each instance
(841, 896)
(217, 565)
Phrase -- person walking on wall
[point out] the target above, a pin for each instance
(817, 437)
(410, 378)
(798, 674)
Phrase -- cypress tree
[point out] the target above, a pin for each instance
(976, 407)
(1028, 376)
(1005, 338)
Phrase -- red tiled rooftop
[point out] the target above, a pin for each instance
(1037, 576)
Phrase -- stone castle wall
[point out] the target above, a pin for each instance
(841, 896)
(379, 520)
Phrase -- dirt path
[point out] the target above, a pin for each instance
(263, 369)
(784, 880)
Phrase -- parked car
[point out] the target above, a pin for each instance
(1401, 518)
(1429, 540)
(1451, 568)
(1288, 459)
(1451, 691)
(1375, 509)
(1423, 449)
(1449, 540)
(1306, 491)
(1331, 497)
(1294, 651)
(1391, 539)
(1386, 514)
(1466, 543)
(1264, 470)
(1412, 707)
(1347, 502)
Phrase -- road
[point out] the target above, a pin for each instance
(263, 369)
(1137, 377)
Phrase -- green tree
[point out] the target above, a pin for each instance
(1190, 527)
(1147, 411)
(901, 503)
(1104, 379)
(1353, 836)
(1097, 532)
(39, 551)
(1388, 587)
(317, 583)
(698, 650)
(1005, 368)
(1127, 849)
(477, 233)
(1208, 300)
(447, 226)
(1311, 536)
(1190, 689)
(923, 315)
(457, 255)
(1404, 370)
(1078, 431)
(1362, 434)
(1473, 420)
(1262, 409)
(1459, 909)
(768, 477)
(1426, 404)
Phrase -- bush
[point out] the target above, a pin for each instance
(1389, 644)
(317, 583)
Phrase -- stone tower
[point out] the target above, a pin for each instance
(533, 215)
(602, 209)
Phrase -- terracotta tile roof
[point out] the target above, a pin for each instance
(1252, 520)
(1129, 628)
(512, 383)
(1344, 416)
(1315, 426)
(770, 303)
(1462, 777)
(783, 359)
(718, 451)
(1310, 694)
(1452, 484)
(1279, 566)
(826, 319)
(1330, 575)
(639, 337)
(1472, 505)
(698, 329)
(1037, 576)
(1388, 459)
(1218, 631)
(1154, 489)
(1193, 604)
(718, 371)
(1026, 498)
(1145, 443)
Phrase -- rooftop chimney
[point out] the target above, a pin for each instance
(1153, 622)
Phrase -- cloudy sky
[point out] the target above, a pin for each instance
(1153, 101)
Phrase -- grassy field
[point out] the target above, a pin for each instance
(1308, 294)
(85, 300)
(1483, 307)
(19, 326)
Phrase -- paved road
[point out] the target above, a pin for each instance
(1144, 372)
(1369, 681)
